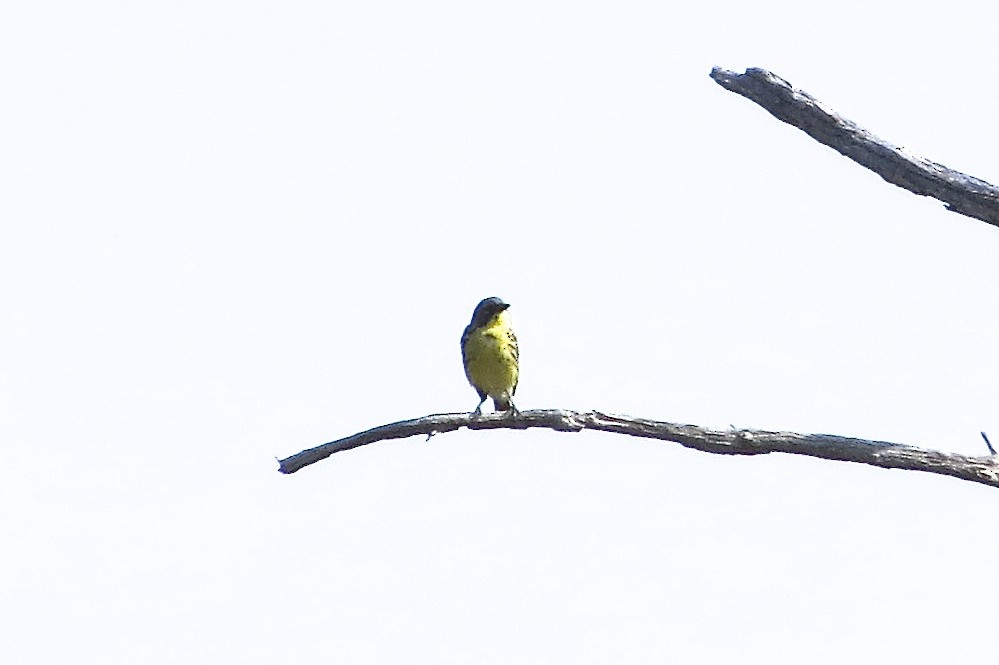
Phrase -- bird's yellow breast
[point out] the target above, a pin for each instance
(491, 357)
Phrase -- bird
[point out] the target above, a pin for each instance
(490, 355)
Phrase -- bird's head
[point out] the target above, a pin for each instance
(486, 310)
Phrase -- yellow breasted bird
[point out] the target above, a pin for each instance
(489, 351)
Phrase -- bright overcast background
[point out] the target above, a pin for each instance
(231, 231)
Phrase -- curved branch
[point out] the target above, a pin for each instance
(983, 470)
(959, 192)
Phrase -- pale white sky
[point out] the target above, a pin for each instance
(232, 231)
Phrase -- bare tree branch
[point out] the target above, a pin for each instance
(960, 193)
(983, 470)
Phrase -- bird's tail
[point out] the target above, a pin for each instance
(503, 403)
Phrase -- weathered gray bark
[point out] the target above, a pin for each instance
(959, 192)
(983, 469)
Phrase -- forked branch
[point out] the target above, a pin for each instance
(959, 192)
(983, 469)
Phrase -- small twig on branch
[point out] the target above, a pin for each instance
(983, 470)
(959, 192)
(988, 443)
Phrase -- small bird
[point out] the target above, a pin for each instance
(489, 352)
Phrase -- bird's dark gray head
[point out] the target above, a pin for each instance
(486, 310)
